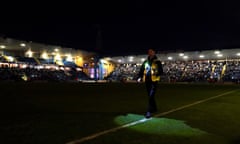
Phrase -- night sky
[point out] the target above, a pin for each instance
(126, 27)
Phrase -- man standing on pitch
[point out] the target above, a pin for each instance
(150, 72)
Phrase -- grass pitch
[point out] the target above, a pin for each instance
(58, 113)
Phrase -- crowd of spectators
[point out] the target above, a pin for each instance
(124, 72)
(174, 71)
(185, 71)
(27, 72)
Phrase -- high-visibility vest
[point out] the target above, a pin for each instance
(153, 68)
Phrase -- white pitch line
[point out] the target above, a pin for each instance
(192, 104)
(144, 119)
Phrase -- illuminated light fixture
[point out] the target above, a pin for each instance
(29, 53)
(53, 53)
(24, 66)
(181, 54)
(67, 68)
(2, 46)
(102, 61)
(238, 54)
(169, 58)
(219, 55)
(69, 58)
(56, 50)
(79, 58)
(185, 57)
(217, 52)
(201, 56)
(78, 69)
(22, 44)
(58, 57)
(119, 60)
(44, 55)
(131, 58)
(10, 58)
(142, 59)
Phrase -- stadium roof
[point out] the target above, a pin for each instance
(221, 54)
(9, 44)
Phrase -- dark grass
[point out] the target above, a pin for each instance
(56, 113)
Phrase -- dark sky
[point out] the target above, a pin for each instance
(126, 27)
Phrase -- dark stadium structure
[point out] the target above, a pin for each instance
(219, 65)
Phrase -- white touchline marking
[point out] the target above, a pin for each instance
(192, 104)
(144, 119)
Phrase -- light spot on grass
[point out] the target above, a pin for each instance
(161, 126)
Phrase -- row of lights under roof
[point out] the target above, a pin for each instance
(21, 44)
(29, 53)
(24, 45)
(130, 59)
(217, 53)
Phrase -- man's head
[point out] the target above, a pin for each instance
(151, 53)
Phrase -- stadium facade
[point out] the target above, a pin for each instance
(52, 54)
(214, 60)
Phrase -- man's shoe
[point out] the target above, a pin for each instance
(148, 115)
